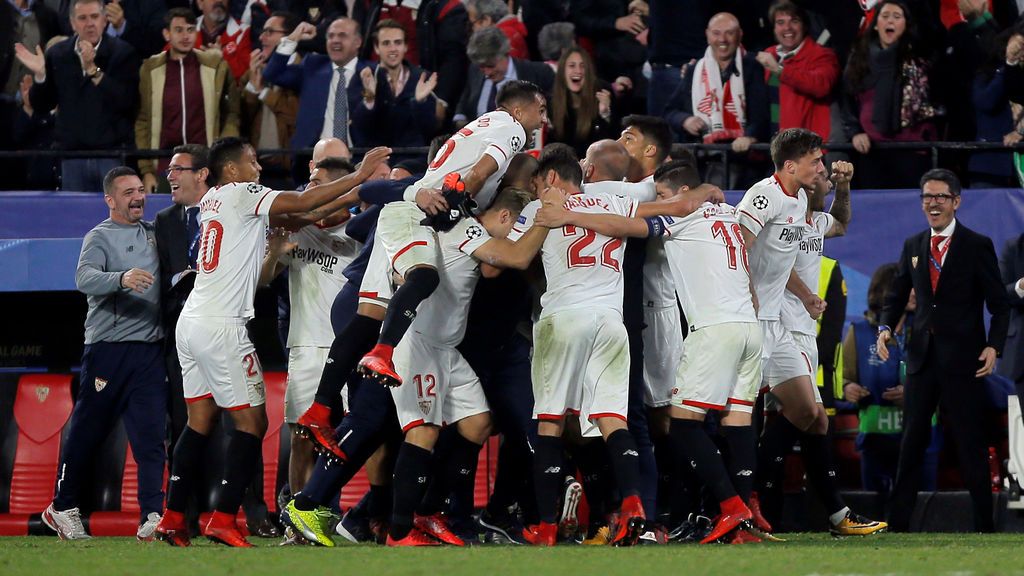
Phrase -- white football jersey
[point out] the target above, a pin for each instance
(583, 268)
(496, 134)
(777, 218)
(233, 242)
(442, 317)
(808, 267)
(709, 266)
(314, 279)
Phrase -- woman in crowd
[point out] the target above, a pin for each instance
(581, 104)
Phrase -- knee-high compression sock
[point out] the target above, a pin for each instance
(412, 473)
(694, 446)
(355, 340)
(821, 473)
(188, 457)
(596, 477)
(548, 474)
(625, 461)
(243, 459)
(378, 503)
(778, 439)
(742, 458)
(420, 283)
(457, 474)
(667, 475)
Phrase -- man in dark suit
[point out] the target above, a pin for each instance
(1011, 266)
(490, 67)
(954, 273)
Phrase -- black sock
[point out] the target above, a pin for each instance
(667, 475)
(412, 471)
(378, 502)
(354, 341)
(420, 283)
(596, 477)
(777, 441)
(742, 458)
(625, 460)
(242, 462)
(693, 445)
(821, 473)
(188, 458)
(548, 475)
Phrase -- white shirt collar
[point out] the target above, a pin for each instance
(349, 67)
(947, 231)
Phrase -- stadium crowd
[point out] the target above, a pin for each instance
(455, 314)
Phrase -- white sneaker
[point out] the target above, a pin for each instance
(147, 530)
(67, 524)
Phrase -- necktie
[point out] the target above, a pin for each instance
(341, 108)
(491, 105)
(192, 233)
(935, 267)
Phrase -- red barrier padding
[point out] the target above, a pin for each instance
(41, 409)
(114, 523)
(14, 524)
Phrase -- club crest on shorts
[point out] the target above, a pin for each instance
(100, 384)
(913, 261)
(425, 406)
(42, 393)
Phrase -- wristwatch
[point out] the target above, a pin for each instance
(96, 73)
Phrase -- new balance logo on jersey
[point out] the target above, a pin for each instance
(792, 234)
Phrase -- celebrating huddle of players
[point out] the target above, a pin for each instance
(738, 273)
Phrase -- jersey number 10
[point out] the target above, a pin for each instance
(209, 248)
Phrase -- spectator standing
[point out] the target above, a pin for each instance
(888, 97)
(137, 22)
(29, 23)
(225, 32)
(186, 96)
(398, 107)
(722, 98)
(487, 13)
(954, 274)
(581, 105)
(554, 39)
(491, 68)
(801, 74)
(441, 38)
(122, 364)
(618, 31)
(91, 115)
(1011, 267)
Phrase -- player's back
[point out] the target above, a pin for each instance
(709, 265)
(777, 217)
(583, 268)
(496, 134)
(234, 221)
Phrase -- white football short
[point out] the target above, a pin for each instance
(782, 358)
(580, 366)
(807, 346)
(438, 386)
(305, 366)
(377, 286)
(663, 345)
(720, 369)
(406, 242)
(219, 361)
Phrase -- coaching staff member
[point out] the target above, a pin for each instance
(122, 365)
(953, 271)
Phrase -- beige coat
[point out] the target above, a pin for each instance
(220, 95)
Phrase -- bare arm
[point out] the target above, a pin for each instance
(841, 210)
(278, 246)
(612, 225)
(682, 204)
(749, 238)
(341, 189)
(504, 253)
(812, 302)
(478, 174)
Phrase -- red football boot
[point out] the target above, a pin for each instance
(413, 538)
(734, 511)
(436, 526)
(172, 529)
(543, 534)
(758, 519)
(741, 536)
(222, 529)
(315, 425)
(631, 522)
(377, 364)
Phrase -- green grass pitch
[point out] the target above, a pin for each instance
(802, 554)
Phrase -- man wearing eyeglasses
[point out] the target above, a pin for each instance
(187, 96)
(954, 274)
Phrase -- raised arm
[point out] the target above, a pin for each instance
(842, 173)
(323, 196)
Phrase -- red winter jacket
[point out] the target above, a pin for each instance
(805, 88)
(516, 31)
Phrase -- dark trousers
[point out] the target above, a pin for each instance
(962, 399)
(126, 380)
(636, 419)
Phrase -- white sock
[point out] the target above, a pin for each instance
(836, 518)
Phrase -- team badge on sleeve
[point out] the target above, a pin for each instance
(761, 202)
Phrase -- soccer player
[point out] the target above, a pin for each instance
(480, 154)
(315, 256)
(772, 216)
(219, 364)
(720, 366)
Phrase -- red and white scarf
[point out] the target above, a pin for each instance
(723, 109)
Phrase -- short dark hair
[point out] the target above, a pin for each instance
(517, 91)
(943, 175)
(291, 20)
(654, 129)
(787, 7)
(200, 154)
(678, 173)
(388, 23)
(115, 173)
(184, 13)
(224, 150)
(334, 165)
(565, 165)
(793, 144)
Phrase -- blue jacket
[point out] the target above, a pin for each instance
(312, 80)
(396, 120)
